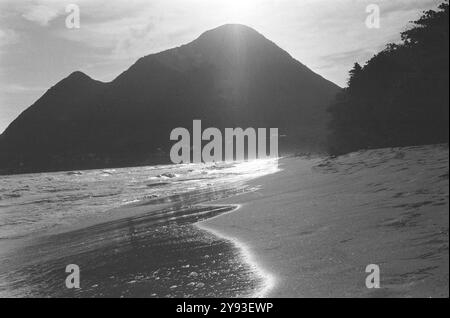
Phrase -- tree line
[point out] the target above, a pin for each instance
(400, 97)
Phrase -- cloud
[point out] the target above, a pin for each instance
(41, 14)
(345, 56)
(18, 88)
(390, 7)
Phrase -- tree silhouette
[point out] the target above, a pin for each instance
(400, 97)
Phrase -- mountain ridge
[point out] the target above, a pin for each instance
(229, 76)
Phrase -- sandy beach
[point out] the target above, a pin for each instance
(316, 225)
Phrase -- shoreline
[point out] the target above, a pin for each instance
(308, 230)
(246, 254)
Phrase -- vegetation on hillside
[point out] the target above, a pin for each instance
(400, 96)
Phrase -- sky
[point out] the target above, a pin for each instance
(37, 49)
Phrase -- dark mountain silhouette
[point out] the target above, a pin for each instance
(230, 76)
(401, 96)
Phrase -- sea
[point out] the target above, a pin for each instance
(131, 232)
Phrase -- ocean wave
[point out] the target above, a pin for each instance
(74, 173)
(59, 198)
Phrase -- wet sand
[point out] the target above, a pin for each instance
(316, 225)
(155, 251)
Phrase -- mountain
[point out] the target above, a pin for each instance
(230, 76)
